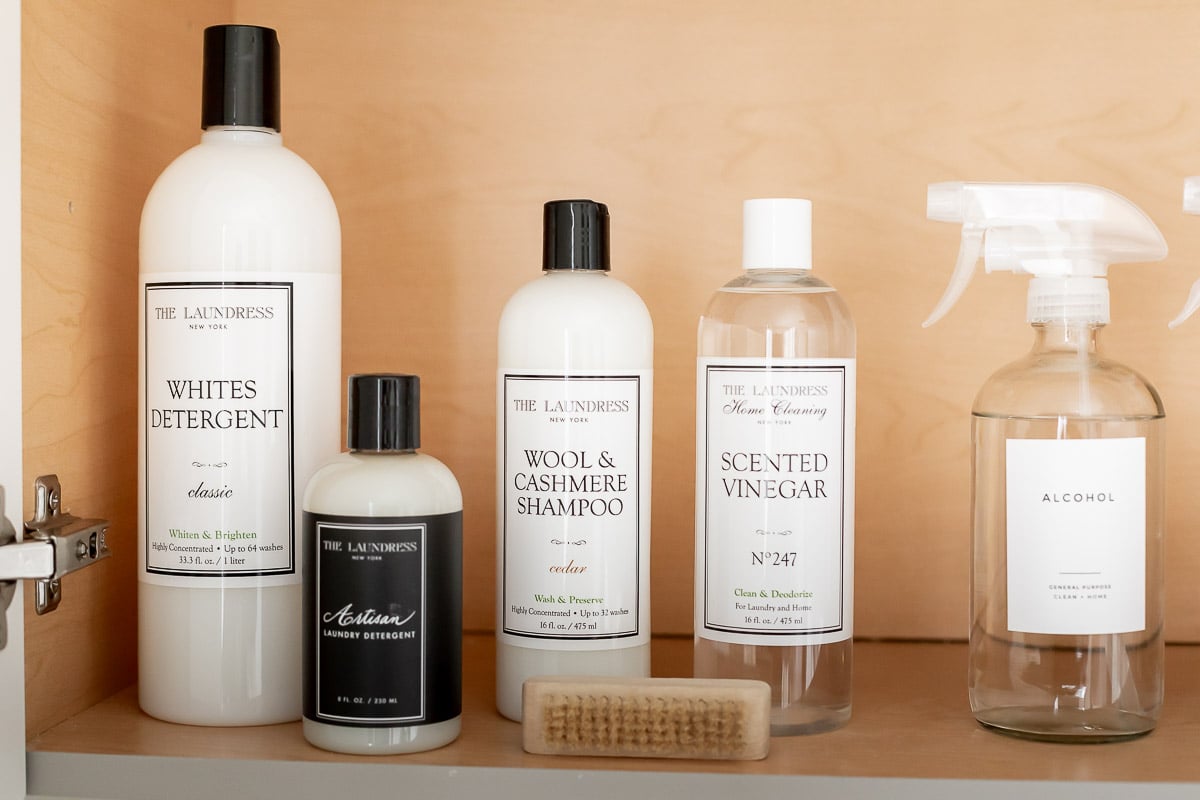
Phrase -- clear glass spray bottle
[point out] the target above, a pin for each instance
(1066, 639)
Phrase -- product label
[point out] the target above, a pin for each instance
(575, 473)
(383, 619)
(1076, 535)
(233, 422)
(775, 500)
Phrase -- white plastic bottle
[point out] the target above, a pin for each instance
(775, 418)
(573, 395)
(239, 363)
(1067, 467)
(383, 583)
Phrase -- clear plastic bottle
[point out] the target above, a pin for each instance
(1066, 638)
(776, 325)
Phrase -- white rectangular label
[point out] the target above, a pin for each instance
(775, 500)
(574, 477)
(1076, 535)
(239, 392)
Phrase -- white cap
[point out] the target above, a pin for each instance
(777, 233)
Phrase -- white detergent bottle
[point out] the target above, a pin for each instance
(239, 364)
(1066, 639)
(573, 425)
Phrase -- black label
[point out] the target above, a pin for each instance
(382, 619)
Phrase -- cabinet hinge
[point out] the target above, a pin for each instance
(56, 543)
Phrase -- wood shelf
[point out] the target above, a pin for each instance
(911, 720)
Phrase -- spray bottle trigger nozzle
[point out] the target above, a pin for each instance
(1191, 195)
(944, 202)
(1189, 308)
(968, 255)
(1191, 205)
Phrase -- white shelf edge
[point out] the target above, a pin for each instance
(121, 777)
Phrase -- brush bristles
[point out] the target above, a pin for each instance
(650, 717)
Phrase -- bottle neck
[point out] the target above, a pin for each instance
(242, 134)
(1067, 300)
(1066, 337)
(777, 270)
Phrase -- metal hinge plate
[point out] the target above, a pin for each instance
(56, 543)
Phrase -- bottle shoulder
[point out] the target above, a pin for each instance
(777, 281)
(1067, 384)
(219, 166)
(378, 485)
(576, 320)
(777, 314)
(229, 205)
(569, 293)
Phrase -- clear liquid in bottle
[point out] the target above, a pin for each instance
(779, 317)
(1097, 677)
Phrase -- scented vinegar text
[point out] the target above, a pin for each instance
(774, 465)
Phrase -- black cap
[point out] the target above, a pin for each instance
(241, 77)
(384, 413)
(575, 235)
